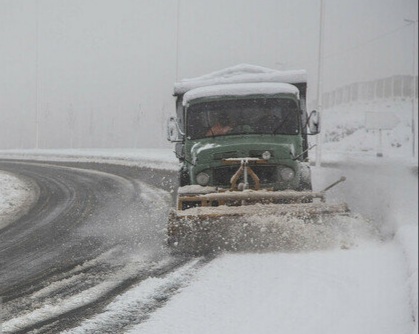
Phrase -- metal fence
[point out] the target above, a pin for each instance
(397, 86)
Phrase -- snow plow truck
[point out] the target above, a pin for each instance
(240, 136)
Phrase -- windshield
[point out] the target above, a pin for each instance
(242, 116)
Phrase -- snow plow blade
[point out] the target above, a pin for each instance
(243, 220)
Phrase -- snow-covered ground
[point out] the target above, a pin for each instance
(369, 287)
(15, 196)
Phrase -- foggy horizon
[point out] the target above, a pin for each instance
(100, 74)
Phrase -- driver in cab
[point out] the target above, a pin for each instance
(221, 127)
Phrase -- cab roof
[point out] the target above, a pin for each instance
(242, 90)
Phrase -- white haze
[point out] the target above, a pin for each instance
(100, 73)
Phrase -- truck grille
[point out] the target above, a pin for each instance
(235, 154)
(223, 175)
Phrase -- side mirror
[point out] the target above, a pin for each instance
(172, 130)
(314, 122)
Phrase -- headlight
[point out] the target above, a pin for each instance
(266, 155)
(287, 174)
(202, 179)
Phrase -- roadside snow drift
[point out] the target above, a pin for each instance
(361, 290)
(16, 196)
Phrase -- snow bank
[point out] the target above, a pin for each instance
(345, 138)
(149, 158)
(407, 236)
(16, 196)
(344, 132)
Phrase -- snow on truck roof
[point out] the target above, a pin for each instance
(241, 89)
(243, 73)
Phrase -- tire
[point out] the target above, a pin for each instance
(184, 178)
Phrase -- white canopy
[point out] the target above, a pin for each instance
(243, 73)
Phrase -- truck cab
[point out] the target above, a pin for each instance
(253, 114)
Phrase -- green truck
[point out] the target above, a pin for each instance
(241, 138)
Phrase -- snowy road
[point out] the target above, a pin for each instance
(91, 232)
(122, 280)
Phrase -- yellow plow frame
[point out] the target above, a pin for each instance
(201, 217)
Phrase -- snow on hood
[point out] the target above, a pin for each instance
(240, 74)
(242, 89)
(198, 147)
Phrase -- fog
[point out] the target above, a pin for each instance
(100, 73)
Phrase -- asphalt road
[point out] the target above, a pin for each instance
(91, 223)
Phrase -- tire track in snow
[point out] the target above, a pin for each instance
(60, 314)
(137, 304)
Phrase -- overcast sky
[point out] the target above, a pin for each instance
(100, 73)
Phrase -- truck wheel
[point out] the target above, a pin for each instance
(184, 179)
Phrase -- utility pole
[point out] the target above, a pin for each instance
(177, 38)
(36, 76)
(320, 81)
(414, 24)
